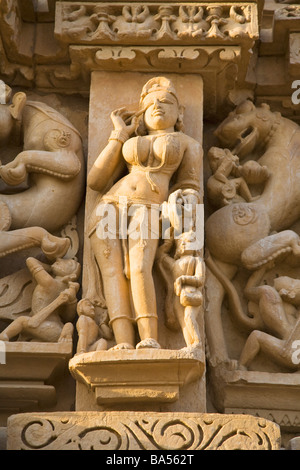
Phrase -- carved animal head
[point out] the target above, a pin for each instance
(10, 114)
(246, 128)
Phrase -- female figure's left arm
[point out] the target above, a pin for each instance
(189, 173)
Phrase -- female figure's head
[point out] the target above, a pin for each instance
(161, 109)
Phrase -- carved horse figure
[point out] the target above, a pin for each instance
(52, 165)
(252, 234)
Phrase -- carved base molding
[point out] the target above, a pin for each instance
(27, 378)
(137, 375)
(274, 396)
(140, 431)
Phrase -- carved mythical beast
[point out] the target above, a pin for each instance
(52, 165)
(253, 234)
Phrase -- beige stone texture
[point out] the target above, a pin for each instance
(107, 94)
(147, 376)
(74, 373)
(151, 432)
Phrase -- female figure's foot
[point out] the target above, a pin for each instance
(148, 343)
(121, 346)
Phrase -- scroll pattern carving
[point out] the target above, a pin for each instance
(91, 23)
(138, 432)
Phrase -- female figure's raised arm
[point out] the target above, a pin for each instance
(109, 159)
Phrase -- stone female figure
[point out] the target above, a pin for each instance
(152, 159)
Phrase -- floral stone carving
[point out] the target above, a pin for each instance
(154, 23)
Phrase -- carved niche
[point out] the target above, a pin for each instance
(146, 188)
(252, 243)
(42, 164)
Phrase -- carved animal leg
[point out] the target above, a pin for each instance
(16, 240)
(270, 308)
(260, 341)
(191, 328)
(269, 248)
(14, 329)
(213, 321)
(60, 164)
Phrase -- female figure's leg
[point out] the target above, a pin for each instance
(109, 256)
(142, 250)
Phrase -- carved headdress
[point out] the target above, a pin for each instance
(158, 84)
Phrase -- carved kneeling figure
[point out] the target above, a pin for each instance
(278, 310)
(53, 303)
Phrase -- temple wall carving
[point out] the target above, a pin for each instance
(149, 225)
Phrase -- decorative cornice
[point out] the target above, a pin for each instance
(59, 50)
(156, 23)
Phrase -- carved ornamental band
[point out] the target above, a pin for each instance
(94, 23)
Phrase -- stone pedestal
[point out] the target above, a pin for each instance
(273, 396)
(27, 379)
(149, 376)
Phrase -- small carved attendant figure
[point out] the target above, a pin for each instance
(53, 303)
(226, 184)
(152, 159)
(88, 331)
(184, 275)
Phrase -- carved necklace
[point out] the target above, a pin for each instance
(149, 168)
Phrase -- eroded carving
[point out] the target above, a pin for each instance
(183, 271)
(53, 304)
(258, 238)
(48, 168)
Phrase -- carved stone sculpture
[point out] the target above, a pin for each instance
(152, 158)
(53, 303)
(227, 184)
(89, 332)
(48, 169)
(152, 23)
(183, 272)
(258, 236)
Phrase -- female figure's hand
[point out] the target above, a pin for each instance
(120, 118)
